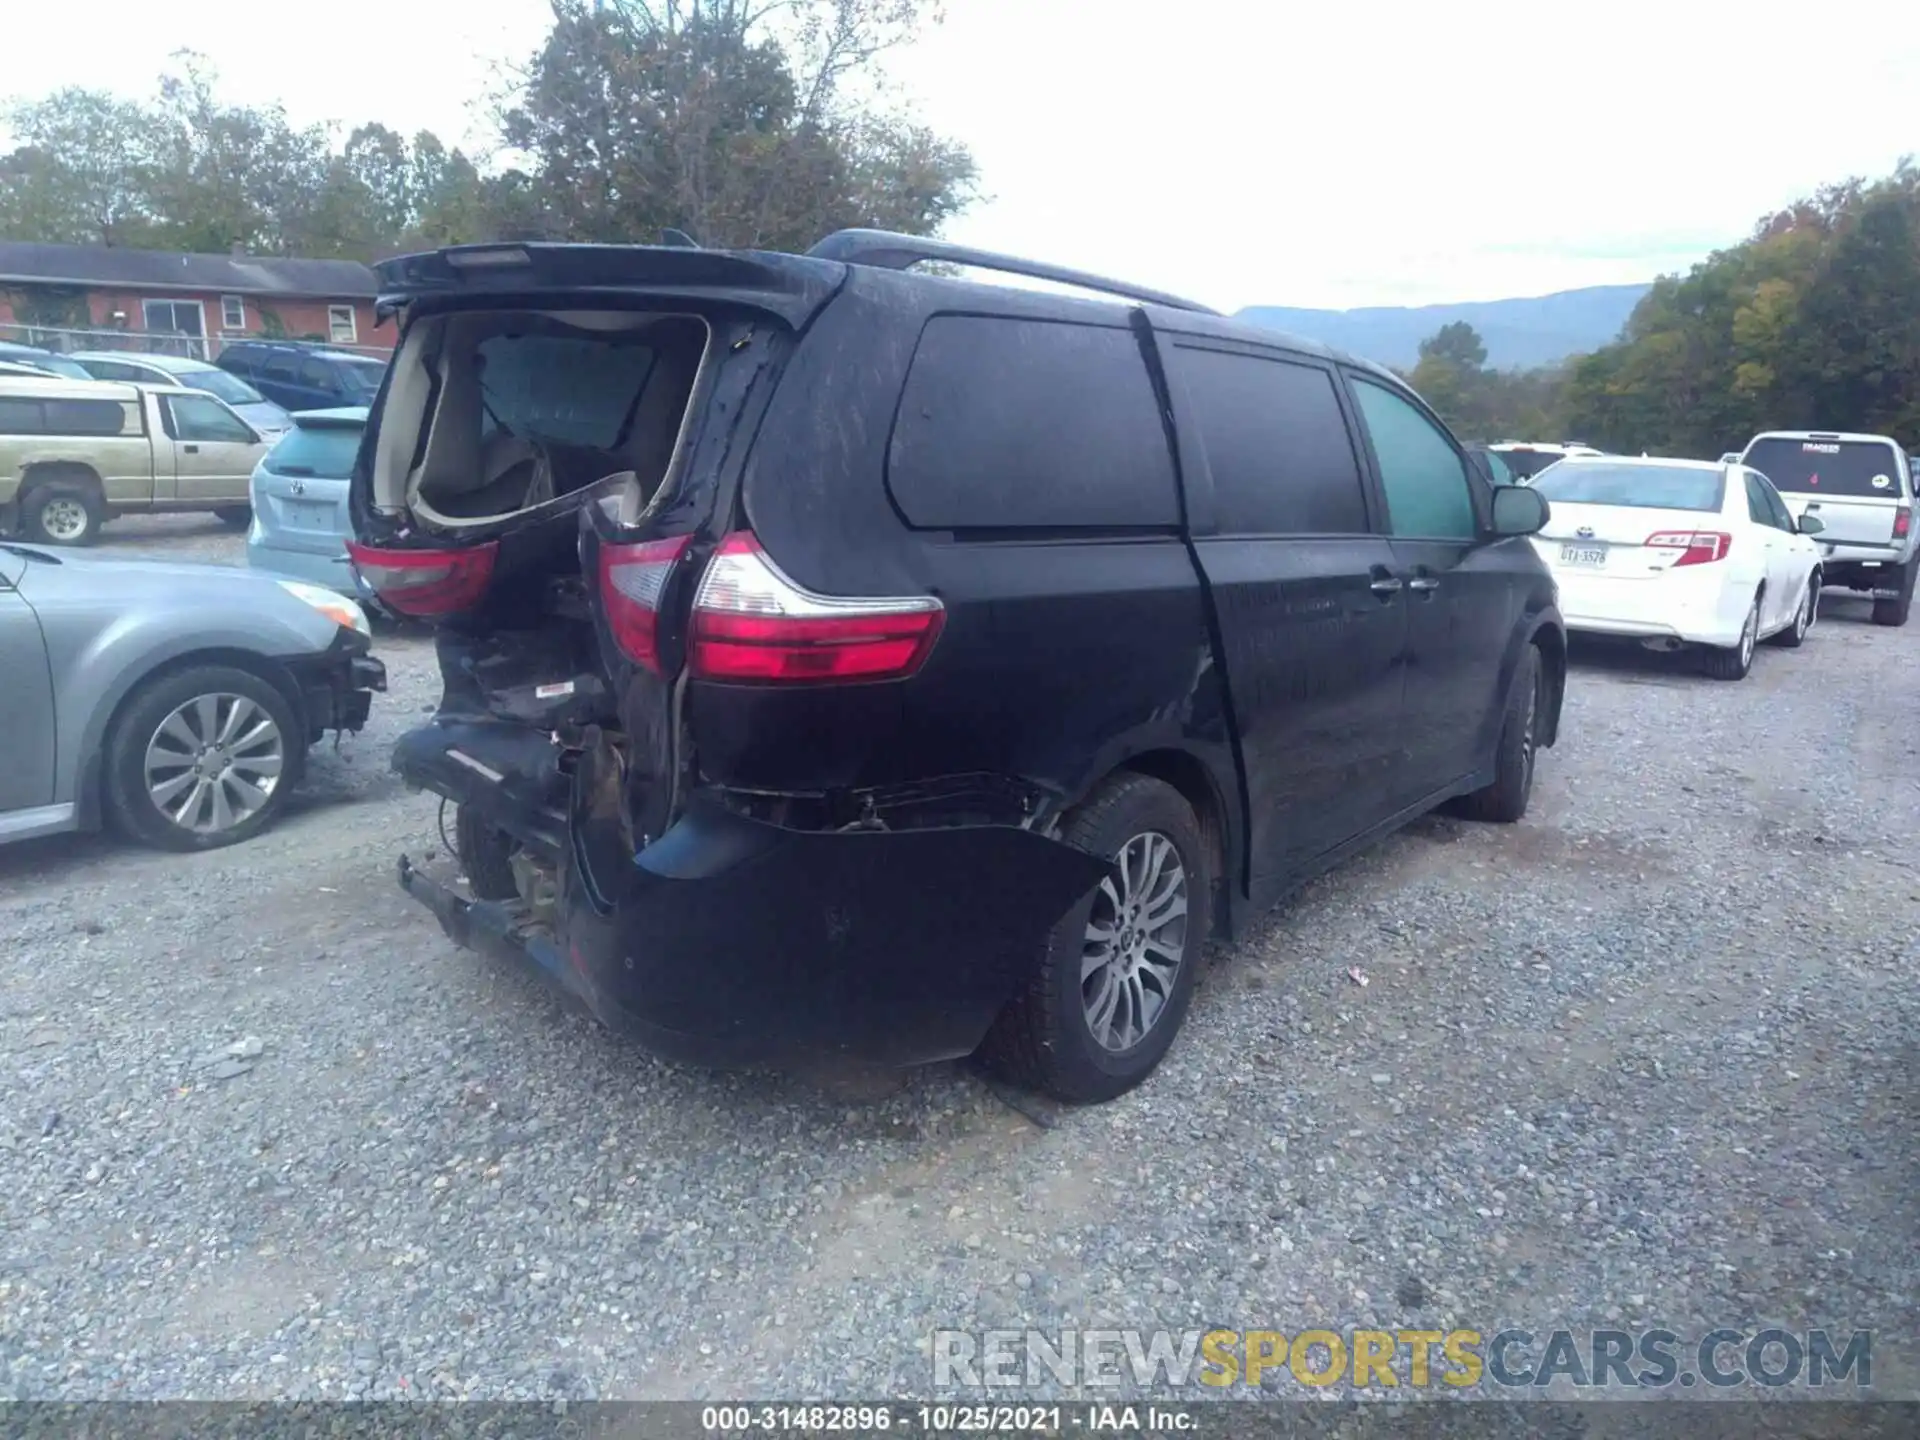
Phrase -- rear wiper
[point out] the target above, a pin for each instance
(25, 553)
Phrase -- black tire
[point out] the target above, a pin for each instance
(46, 508)
(1735, 662)
(234, 517)
(131, 806)
(486, 855)
(1893, 613)
(1044, 1040)
(1795, 634)
(1505, 800)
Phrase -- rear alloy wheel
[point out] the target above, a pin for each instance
(1893, 613)
(1118, 974)
(1803, 618)
(1506, 799)
(202, 758)
(1734, 662)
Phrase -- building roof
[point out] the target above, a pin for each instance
(95, 266)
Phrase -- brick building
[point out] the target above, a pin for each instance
(75, 297)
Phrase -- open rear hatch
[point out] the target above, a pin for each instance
(530, 382)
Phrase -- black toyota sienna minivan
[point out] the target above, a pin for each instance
(845, 660)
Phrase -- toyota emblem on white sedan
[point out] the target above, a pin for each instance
(299, 487)
(1585, 532)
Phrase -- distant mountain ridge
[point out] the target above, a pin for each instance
(1519, 334)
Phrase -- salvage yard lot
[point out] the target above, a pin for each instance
(1648, 1057)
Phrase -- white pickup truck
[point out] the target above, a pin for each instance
(75, 453)
(1861, 490)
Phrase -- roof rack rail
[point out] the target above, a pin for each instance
(898, 252)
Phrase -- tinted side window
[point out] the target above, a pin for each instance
(1422, 474)
(1757, 510)
(284, 368)
(1029, 424)
(86, 417)
(21, 417)
(1277, 445)
(319, 375)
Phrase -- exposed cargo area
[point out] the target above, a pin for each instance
(492, 413)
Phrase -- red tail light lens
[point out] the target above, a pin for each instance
(425, 583)
(1697, 547)
(753, 624)
(632, 580)
(1902, 522)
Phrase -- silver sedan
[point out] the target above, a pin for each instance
(175, 702)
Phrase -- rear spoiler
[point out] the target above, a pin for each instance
(791, 287)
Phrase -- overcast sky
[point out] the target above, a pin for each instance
(1240, 151)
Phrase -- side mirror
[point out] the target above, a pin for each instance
(1810, 525)
(1519, 510)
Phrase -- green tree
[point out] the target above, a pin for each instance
(81, 172)
(738, 122)
(1813, 321)
(188, 171)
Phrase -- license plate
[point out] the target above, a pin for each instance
(309, 515)
(1583, 554)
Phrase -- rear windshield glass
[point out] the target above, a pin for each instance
(218, 383)
(324, 451)
(1528, 462)
(1647, 487)
(1830, 467)
(564, 388)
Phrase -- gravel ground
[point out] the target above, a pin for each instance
(1646, 1058)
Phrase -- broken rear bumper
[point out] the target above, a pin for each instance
(732, 942)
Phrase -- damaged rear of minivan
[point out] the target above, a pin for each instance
(678, 770)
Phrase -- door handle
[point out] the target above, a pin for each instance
(191, 449)
(1423, 583)
(1385, 586)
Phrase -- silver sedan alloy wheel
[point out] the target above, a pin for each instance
(1135, 943)
(214, 763)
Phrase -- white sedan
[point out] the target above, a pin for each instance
(1679, 552)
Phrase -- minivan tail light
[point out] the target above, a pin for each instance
(1697, 547)
(1902, 522)
(751, 623)
(425, 583)
(632, 580)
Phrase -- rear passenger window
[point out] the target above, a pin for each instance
(21, 417)
(1029, 424)
(1423, 475)
(86, 417)
(1277, 444)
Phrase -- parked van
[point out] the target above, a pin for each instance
(76, 453)
(1861, 489)
(844, 660)
(303, 377)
